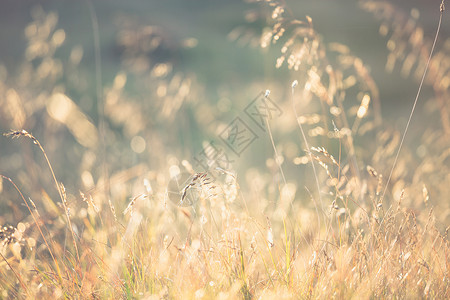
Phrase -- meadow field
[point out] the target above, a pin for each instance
(254, 149)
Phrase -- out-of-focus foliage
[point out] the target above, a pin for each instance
(125, 184)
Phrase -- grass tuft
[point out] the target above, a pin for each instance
(336, 203)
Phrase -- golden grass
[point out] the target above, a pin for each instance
(283, 230)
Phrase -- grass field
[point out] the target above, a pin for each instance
(153, 157)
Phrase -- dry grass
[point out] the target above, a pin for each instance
(284, 230)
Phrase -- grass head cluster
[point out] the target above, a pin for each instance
(101, 198)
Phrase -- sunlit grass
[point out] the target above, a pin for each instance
(317, 219)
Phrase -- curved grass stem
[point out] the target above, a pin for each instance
(442, 9)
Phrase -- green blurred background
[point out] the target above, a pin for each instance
(193, 40)
(216, 61)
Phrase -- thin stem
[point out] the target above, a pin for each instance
(16, 274)
(19, 133)
(442, 9)
(99, 92)
(63, 198)
(294, 84)
(275, 152)
(38, 226)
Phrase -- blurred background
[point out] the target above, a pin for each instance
(173, 74)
